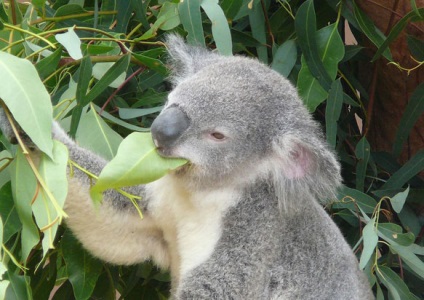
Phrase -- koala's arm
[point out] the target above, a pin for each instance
(114, 231)
(239, 267)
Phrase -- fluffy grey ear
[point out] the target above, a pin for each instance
(186, 60)
(304, 166)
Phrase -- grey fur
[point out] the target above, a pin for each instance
(260, 186)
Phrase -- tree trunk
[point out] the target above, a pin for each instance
(390, 88)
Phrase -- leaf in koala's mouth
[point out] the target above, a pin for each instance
(137, 162)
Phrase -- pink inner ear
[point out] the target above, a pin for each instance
(298, 163)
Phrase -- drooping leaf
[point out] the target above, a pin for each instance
(137, 162)
(330, 51)
(412, 260)
(406, 172)
(399, 199)
(18, 288)
(84, 76)
(370, 236)
(46, 212)
(412, 16)
(257, 24)
(371, 31)
(71, 42)
(220, 29)
(24, 188)
(169, 11)
(394, 283)
(231, 8)
(191, 19)
(305, 22)
(27, 99)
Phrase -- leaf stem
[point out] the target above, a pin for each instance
(30, 33)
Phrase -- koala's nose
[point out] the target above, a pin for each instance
(168, 126)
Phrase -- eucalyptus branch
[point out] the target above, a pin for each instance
(31, 163)
(35, 35)
(75, 16)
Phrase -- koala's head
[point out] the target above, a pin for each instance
(236, 120)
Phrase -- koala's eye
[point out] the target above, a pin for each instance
(217, 136)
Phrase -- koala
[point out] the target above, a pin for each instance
(244, 219)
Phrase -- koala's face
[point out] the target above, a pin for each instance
(219, 119)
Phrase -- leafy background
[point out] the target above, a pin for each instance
(103, 66)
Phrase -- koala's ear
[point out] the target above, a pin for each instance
(186, 60)
(306, 165)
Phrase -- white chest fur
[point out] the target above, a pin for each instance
(191, 221)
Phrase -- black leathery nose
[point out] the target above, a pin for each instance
(169, 126)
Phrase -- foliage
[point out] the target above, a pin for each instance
(103, 66)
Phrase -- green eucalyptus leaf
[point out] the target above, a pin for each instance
(137, 162)
(27, 99)
(396, 286)
(19, 288)
(131, 113)
(85, 71)
(369, 234)
(48, 65)
(412, 16)
(69, 9)
(110, 76)
(71, 42)
(362, 153)
(412, 260)
(95, 135)
(53, 172)
(231, 8)
(100, 69)
(285, 58)
(330, 51)
(118, 121)
(414, 110)
(220, 29)
(371, 31)
(151, 63)
(349, 198)
(24, 188)
(406, 172)
(305, 22)
(169, 11)
(191, 19)
(257, 24)
(399, 199)
(8, 213)
(82, 268)
(394, 233)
